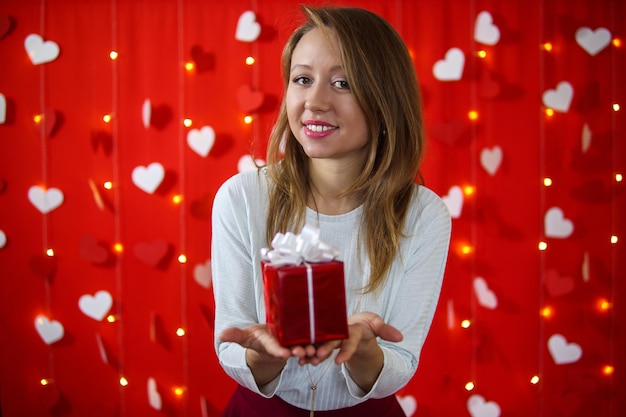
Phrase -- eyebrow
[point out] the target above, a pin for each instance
(335, 68)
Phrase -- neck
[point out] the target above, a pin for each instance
(328, 182)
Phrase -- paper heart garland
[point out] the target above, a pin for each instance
(593, 41)
(563, 352)
(154, 398)
(246, 163)
(3, 239)
(454, 201)
(249, 100)
(484, 30)
(45, 200)
(490, 159)
(153, 252)
(248, 29)
(39, 51)
(50, 331)
(556, 225)
(202, 274)
(486, 297)
(408, 404)
(478, 407)
(559, 99)
(90, 250)
(201, 140)
(96, 306)
(450, 68)
(3, 109)
(558, 285)
(148, 178)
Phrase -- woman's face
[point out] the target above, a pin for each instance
(322, 111)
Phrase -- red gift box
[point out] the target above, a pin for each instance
(305, 304)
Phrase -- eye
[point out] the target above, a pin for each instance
(341, 84)
(302, 80)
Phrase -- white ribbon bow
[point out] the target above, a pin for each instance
(305, 247)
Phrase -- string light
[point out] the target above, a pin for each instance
(617, 42)
(247, 119)
(608, 370)
(469, 386)
(189, 66)
(549, 112)
(469, 190)
(619, 177)
(38, 118)
(250, 60)
(616, 107)
(123, 381)
(547, 181)
(111, 318)
(543, 245)
(106, 118)
(482, 54)
(472, 115)
(547, 47)
(187, 122)
(179, 391)
(182, 258)
(466, 324)
(604, 305)
(108, 185)
(50, 252)
(44, 381)
(534, 380)
(177, 199)
(118, 247)
(466, 249)
(546, 312)
(180, 332)
(614, 239)
(113, 55)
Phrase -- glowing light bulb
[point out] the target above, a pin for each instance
(547, 46)
(111, 318)
(543, 246)
(547, 181)
(123, 381)
(118, 247)
(189, 66)
(113, 55)
(469, 386)
(37, 118)
(619, 177)
(182, 258)
(466, 324)
(546, 312)
(608, 370)
(247, 119)
(482, 54)
(614, 239)
(617, 42)
(44, 381)
(106, 118)
(467, 249)
(177, 199)
(180, 332)
(179, 391)
(472, 115)
(534, 380)
(250, 60)
(187, 122)
(616, 107)
(50, 252)
(549, 112)
(108, 185)
(468, 190)
(604, 305)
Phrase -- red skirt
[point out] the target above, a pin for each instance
(245, 403)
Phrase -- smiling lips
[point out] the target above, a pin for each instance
(317, 129)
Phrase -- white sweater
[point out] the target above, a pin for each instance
(407, 301)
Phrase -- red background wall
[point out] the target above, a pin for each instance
(574, 288)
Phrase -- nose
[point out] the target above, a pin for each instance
(317, 98)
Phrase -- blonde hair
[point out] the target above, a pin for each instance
(382, 79)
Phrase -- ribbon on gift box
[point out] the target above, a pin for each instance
(303, 248)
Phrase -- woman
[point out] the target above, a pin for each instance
(343, 156)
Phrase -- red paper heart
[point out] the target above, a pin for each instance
(3, 185)
(47, 121)
(153, 252)
(92, 251)
(43, 266)
(489, 87)
(249, 100)
(6, 26)
(158, 334)
(205, 61)
(201, 208)
(449, 133)
(50, 396)
(557, 285)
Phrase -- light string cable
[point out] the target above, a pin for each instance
(255, 86)
(116, 196)
(182, 203)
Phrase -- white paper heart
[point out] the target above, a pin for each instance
(408, 404)
(146, 113)
(454, 201)
(3, 239)
(593, 41)
(484, 29)
(45, 200)
(39, 51)
(3, 109)
(50, 331)
(248, 29)
(559, 99)
(148, 178)
(96, 306)
(246, 163)
(563, 352)
(556, 225)
(202, 274)
(486, 297)
(201, 140)
(478, 407)
(450, 68)
(490, 159)
(586, 138)
(154, 398)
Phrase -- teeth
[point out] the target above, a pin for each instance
(318, 128)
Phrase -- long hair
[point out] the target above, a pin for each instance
(382, 79)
